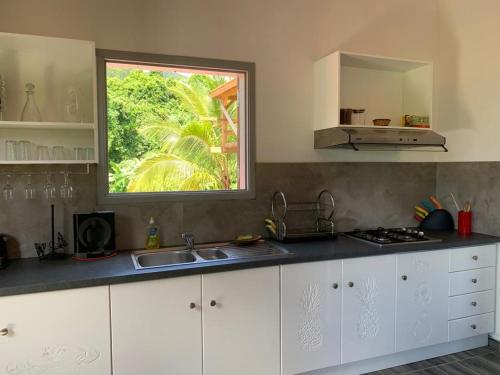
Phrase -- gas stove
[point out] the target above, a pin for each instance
(391, 236)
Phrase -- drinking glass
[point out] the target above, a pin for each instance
(24, 150)
(8, 190)
(58, 153)
(66, 189)
(89, 153)
(29, 189)
(10, 150)
(42, 153)
(49, 190)
(79, 153)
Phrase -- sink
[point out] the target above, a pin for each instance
(168, 257)
(212, 254)
(163, 258)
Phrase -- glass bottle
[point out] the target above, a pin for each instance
(72, 104)
(30, 111)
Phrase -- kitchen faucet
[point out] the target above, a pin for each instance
(189, 240)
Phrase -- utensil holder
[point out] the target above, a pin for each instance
(438, 220)
(464, 222)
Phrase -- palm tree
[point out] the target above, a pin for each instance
(188, 159)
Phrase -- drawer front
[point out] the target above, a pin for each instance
(473, 257)
(472, 281)
(471, 304)
(472, 326)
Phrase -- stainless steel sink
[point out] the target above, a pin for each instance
(162, 258)
(168, 257)
(212, 254)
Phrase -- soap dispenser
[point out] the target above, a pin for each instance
(153, 235)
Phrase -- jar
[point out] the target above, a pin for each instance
(358, 117)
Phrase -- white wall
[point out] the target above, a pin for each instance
(283, 37)
(469, 79)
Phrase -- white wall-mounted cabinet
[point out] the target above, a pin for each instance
(422, 289)
(56, 333)
(311, 300)
(385, 87)
(63, 72)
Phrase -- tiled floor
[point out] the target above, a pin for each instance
(480, 361)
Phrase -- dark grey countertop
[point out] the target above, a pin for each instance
(31, 275)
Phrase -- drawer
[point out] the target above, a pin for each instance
(472, 281)
(473, 257)
(471, 304)
(472, 326)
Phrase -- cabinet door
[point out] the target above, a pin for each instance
(241, 322)
(422, 299)
(56, 333)
(310, 315)
(368, 307)
(154, 329)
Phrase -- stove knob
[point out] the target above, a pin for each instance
(403, 229)
(421, 234)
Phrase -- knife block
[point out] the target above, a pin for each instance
(440, 220)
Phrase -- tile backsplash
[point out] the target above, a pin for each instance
(477, 182)
(366, 195)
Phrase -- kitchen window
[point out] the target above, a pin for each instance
(174, 128)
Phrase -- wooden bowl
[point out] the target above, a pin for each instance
(381, 121)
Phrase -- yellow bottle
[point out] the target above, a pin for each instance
(153, 235)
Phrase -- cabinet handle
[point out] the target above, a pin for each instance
(351, 284)
(213, 303)
(335, 285)
(474, 281)
(4, 332)
(192, 305)
(404, 277)
(474, 303)
(473, 326)
(475, 257)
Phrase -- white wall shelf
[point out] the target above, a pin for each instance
(61, 70)
(45, 162)
(46, 125)
(385, 87)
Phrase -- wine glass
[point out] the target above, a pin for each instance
(29, 189)
(66, 189)
(8, 190)
(49, 190)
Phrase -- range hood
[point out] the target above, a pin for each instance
(378, 139)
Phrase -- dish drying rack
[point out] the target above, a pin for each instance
(320, 217)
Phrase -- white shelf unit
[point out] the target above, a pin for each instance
(385, 87)
(56, 66)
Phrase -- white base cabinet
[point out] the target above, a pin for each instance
(385, 305)
(215, 324)
(310, 315)
(156, 327)
(422, 292)
(368, 307)
(241, 332)
(56, 333)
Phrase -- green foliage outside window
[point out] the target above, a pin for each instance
(163, 132)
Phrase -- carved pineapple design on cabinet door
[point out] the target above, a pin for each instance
(311, 300)
(368, 295)
(368, 325)
(310, 330)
